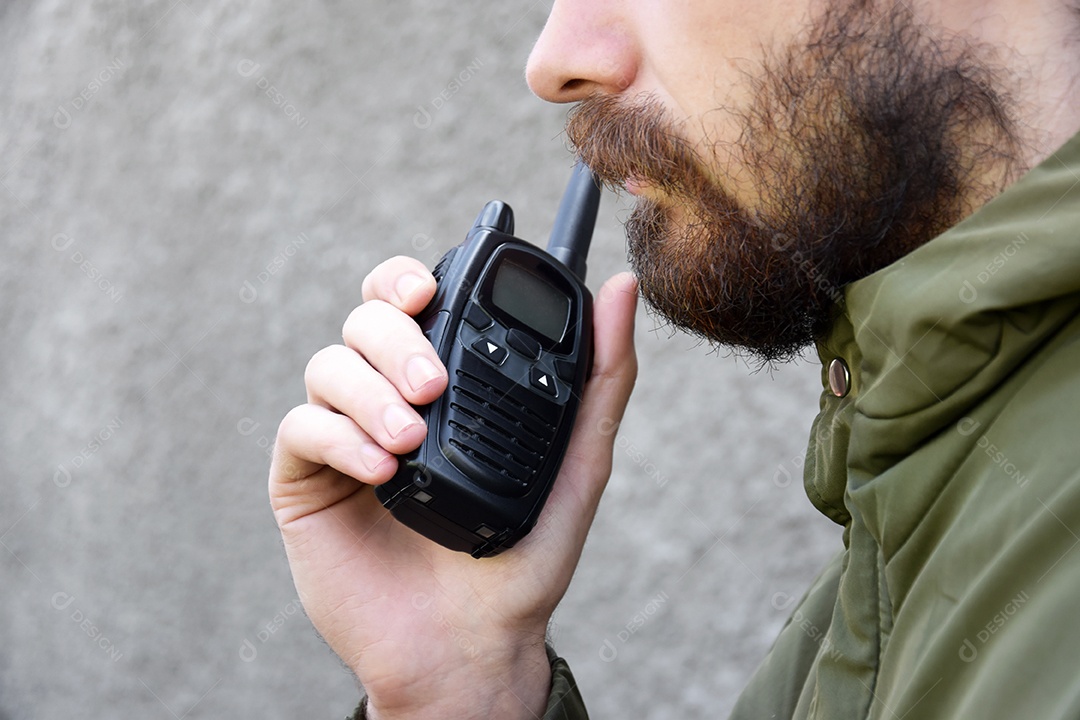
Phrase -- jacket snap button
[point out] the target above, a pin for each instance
(839, 377)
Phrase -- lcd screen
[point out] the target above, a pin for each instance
(531, 300)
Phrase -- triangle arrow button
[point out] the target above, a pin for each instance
(490, 351)
(542, 381)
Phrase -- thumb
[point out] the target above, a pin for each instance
(587, 464)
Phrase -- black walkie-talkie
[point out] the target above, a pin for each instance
(513, 325)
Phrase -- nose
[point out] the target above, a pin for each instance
(586, 48)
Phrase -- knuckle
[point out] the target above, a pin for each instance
(376, 279)
(378, 282)
(400, 264)
(320, 361)
(326, 445)
(292, 425)
(363, 318)
(358, 399)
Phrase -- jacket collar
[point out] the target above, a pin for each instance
(926, 337)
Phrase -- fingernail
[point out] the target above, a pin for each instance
(406, 285)
(420, 371)
(373, 457)
(397, 420)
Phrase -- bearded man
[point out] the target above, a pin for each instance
(895, 183)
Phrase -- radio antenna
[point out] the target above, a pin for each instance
(575, 220)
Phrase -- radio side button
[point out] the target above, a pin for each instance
(444, 263)
(434, 328)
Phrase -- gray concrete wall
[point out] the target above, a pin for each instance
(179, 239)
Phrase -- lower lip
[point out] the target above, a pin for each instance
(634, 187)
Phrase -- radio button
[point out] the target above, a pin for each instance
(523, 343)
(542, 381)
(565, 369)
(475, 316)
(487, 349)
(444, 264)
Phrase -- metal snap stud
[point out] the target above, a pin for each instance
(839, 377)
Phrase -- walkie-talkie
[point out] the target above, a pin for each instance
(513, 325)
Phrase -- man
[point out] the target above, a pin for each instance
(891, 181)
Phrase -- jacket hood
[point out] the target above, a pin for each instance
(928, 336)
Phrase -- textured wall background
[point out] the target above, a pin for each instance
(191, 194)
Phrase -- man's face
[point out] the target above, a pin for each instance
(776, 154)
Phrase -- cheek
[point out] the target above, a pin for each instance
(702, 55)
(701, 51)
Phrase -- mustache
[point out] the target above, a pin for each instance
(621, 139)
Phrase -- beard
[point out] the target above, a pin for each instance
(866, 138)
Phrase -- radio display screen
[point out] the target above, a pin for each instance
(531, 300)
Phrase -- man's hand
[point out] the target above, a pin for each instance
(428, 631)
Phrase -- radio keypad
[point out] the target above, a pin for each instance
(490, 351)
(565, 369)
(524, 344)
(533, 368)
(542, 381)
(475, 316)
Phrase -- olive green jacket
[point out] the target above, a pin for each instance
(953, 465)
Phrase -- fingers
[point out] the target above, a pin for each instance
(360, 395)
(404, 282)
(311, 436)
(311, 439)
(339, 379)
(386, 364)
(587, 464)
(614, 360)
(392, 343)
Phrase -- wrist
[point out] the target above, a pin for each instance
(512, 682)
